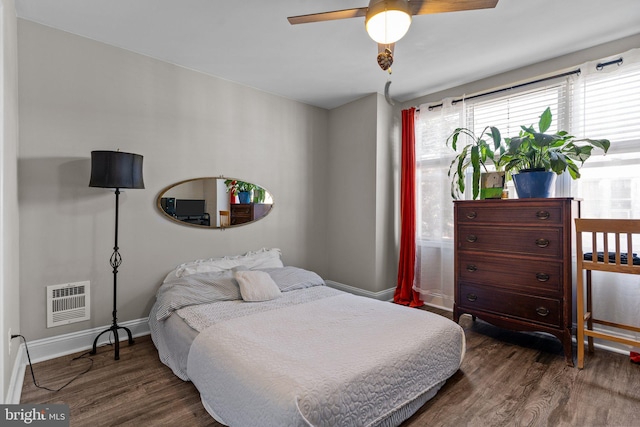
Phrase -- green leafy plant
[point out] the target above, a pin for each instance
(558, 152)
(259, 194)
(234, 186)
(487, 147)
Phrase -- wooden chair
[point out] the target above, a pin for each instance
(615, 260)
(225, 220)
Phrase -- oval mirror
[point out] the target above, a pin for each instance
(214, 202)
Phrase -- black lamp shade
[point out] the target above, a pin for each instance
(115, 169)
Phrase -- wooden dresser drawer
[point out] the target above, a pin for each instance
(509, 212)
(544, 277)
(241, 210)
(546, 311)
(538, 242)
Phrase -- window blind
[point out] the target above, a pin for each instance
(609, 107)
(509, 112)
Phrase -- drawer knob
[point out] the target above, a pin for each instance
(542, 243)
(471, 214)
(542, 311)
(472, 238)
(471, 267)
(542, 277)
(472, 297)
(542, 215)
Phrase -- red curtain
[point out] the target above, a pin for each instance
(404, 293)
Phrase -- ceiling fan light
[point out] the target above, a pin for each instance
(387, 21)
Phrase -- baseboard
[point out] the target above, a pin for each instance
(62, 345)
(438, 300)
(438, 306)
(611, 346)
(612, 349)
(17, 377)
(386, 295)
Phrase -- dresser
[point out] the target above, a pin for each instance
(513, 264)
(247, 212)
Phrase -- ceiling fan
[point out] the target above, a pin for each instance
(387, 21)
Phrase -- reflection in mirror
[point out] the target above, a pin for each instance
(214, 202)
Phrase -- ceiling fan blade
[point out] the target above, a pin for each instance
(328, 16)
(425, 7)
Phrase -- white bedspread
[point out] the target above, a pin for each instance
(342, 360)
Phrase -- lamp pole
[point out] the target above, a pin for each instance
(115, 262)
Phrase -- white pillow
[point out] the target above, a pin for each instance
(263, 258)
(257, 286)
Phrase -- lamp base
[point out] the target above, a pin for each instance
(114, 328)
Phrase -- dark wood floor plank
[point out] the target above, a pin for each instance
(506, 379)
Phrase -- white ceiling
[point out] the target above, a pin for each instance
(328, 64)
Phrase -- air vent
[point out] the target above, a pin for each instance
(67, 303)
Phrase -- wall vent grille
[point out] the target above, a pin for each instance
(68, 303)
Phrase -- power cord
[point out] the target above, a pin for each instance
(70, 381)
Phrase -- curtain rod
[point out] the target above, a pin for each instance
(505, 89)
(599, 66)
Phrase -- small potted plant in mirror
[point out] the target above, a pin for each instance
(535, 158)
(241, 189)
(479, 151)
(259, 194)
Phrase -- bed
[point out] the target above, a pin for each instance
(271, 345)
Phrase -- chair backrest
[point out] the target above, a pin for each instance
(611, 244)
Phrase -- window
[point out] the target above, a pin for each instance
(596, 104)
(435, 216)
(608, 106)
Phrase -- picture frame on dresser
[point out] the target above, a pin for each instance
(513, 264)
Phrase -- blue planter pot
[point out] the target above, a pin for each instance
(244, 196)
(538, 184)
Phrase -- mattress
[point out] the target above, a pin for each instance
(315, 356)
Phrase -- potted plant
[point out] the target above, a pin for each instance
(241, 189)
(259, 194)
(538, 157)
(476, 154)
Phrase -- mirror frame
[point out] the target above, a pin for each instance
(205, 227)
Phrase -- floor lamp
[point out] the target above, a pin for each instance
(115, 169)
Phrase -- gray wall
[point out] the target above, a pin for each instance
(388, 150)
(77, 95)
(9, 219)
(362, 190)
(351, 193)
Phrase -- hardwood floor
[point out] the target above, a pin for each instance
(506, 379)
